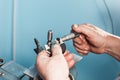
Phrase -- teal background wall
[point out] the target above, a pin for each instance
(6, 14)
(35, 17)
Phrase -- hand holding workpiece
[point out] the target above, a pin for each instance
(96, 40)
(54, 67)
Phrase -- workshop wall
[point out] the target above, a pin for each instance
(114, 10)
(6, 29)
(35, 17)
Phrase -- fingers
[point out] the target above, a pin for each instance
(71, 64)
(87, 29)
(79, 40)
(66, 53)
(43, 54)
(79, 28)
(56, 50)
(81, 45)
(70, 59)
(42, 59)
(69, 56)
(82, 52)
(81, 48)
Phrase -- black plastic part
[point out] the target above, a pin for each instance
(38, 49)
(1, 62)
(63, 46)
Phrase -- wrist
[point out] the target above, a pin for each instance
(108, 44)
(113, 46)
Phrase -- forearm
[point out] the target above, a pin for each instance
(113, 46)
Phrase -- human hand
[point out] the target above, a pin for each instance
(69, 57)
(91, 39)
(54, 67)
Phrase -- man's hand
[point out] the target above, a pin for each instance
(69, 57)
(94, 39)
(91, 39)
(52, 68)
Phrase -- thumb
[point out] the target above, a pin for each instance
(42, 54)
(56, 50)
(75, 28)
(82, 28)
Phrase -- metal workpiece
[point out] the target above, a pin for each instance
(49, 37)
(14, 71)
(65, 38)
(5, 75)
(32, 73)
(59, 41)
(48, 46)
(14, 68)
(69, 36)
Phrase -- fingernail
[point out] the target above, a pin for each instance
(75, 25)
(81, 54)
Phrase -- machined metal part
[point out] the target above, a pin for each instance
(63, 39)
(69, 36)
(14, 71)
(14, 68)
(66, 38)
(32, 73)
(61, 43)
(49, 37)
(5, 75)
(48, 46)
